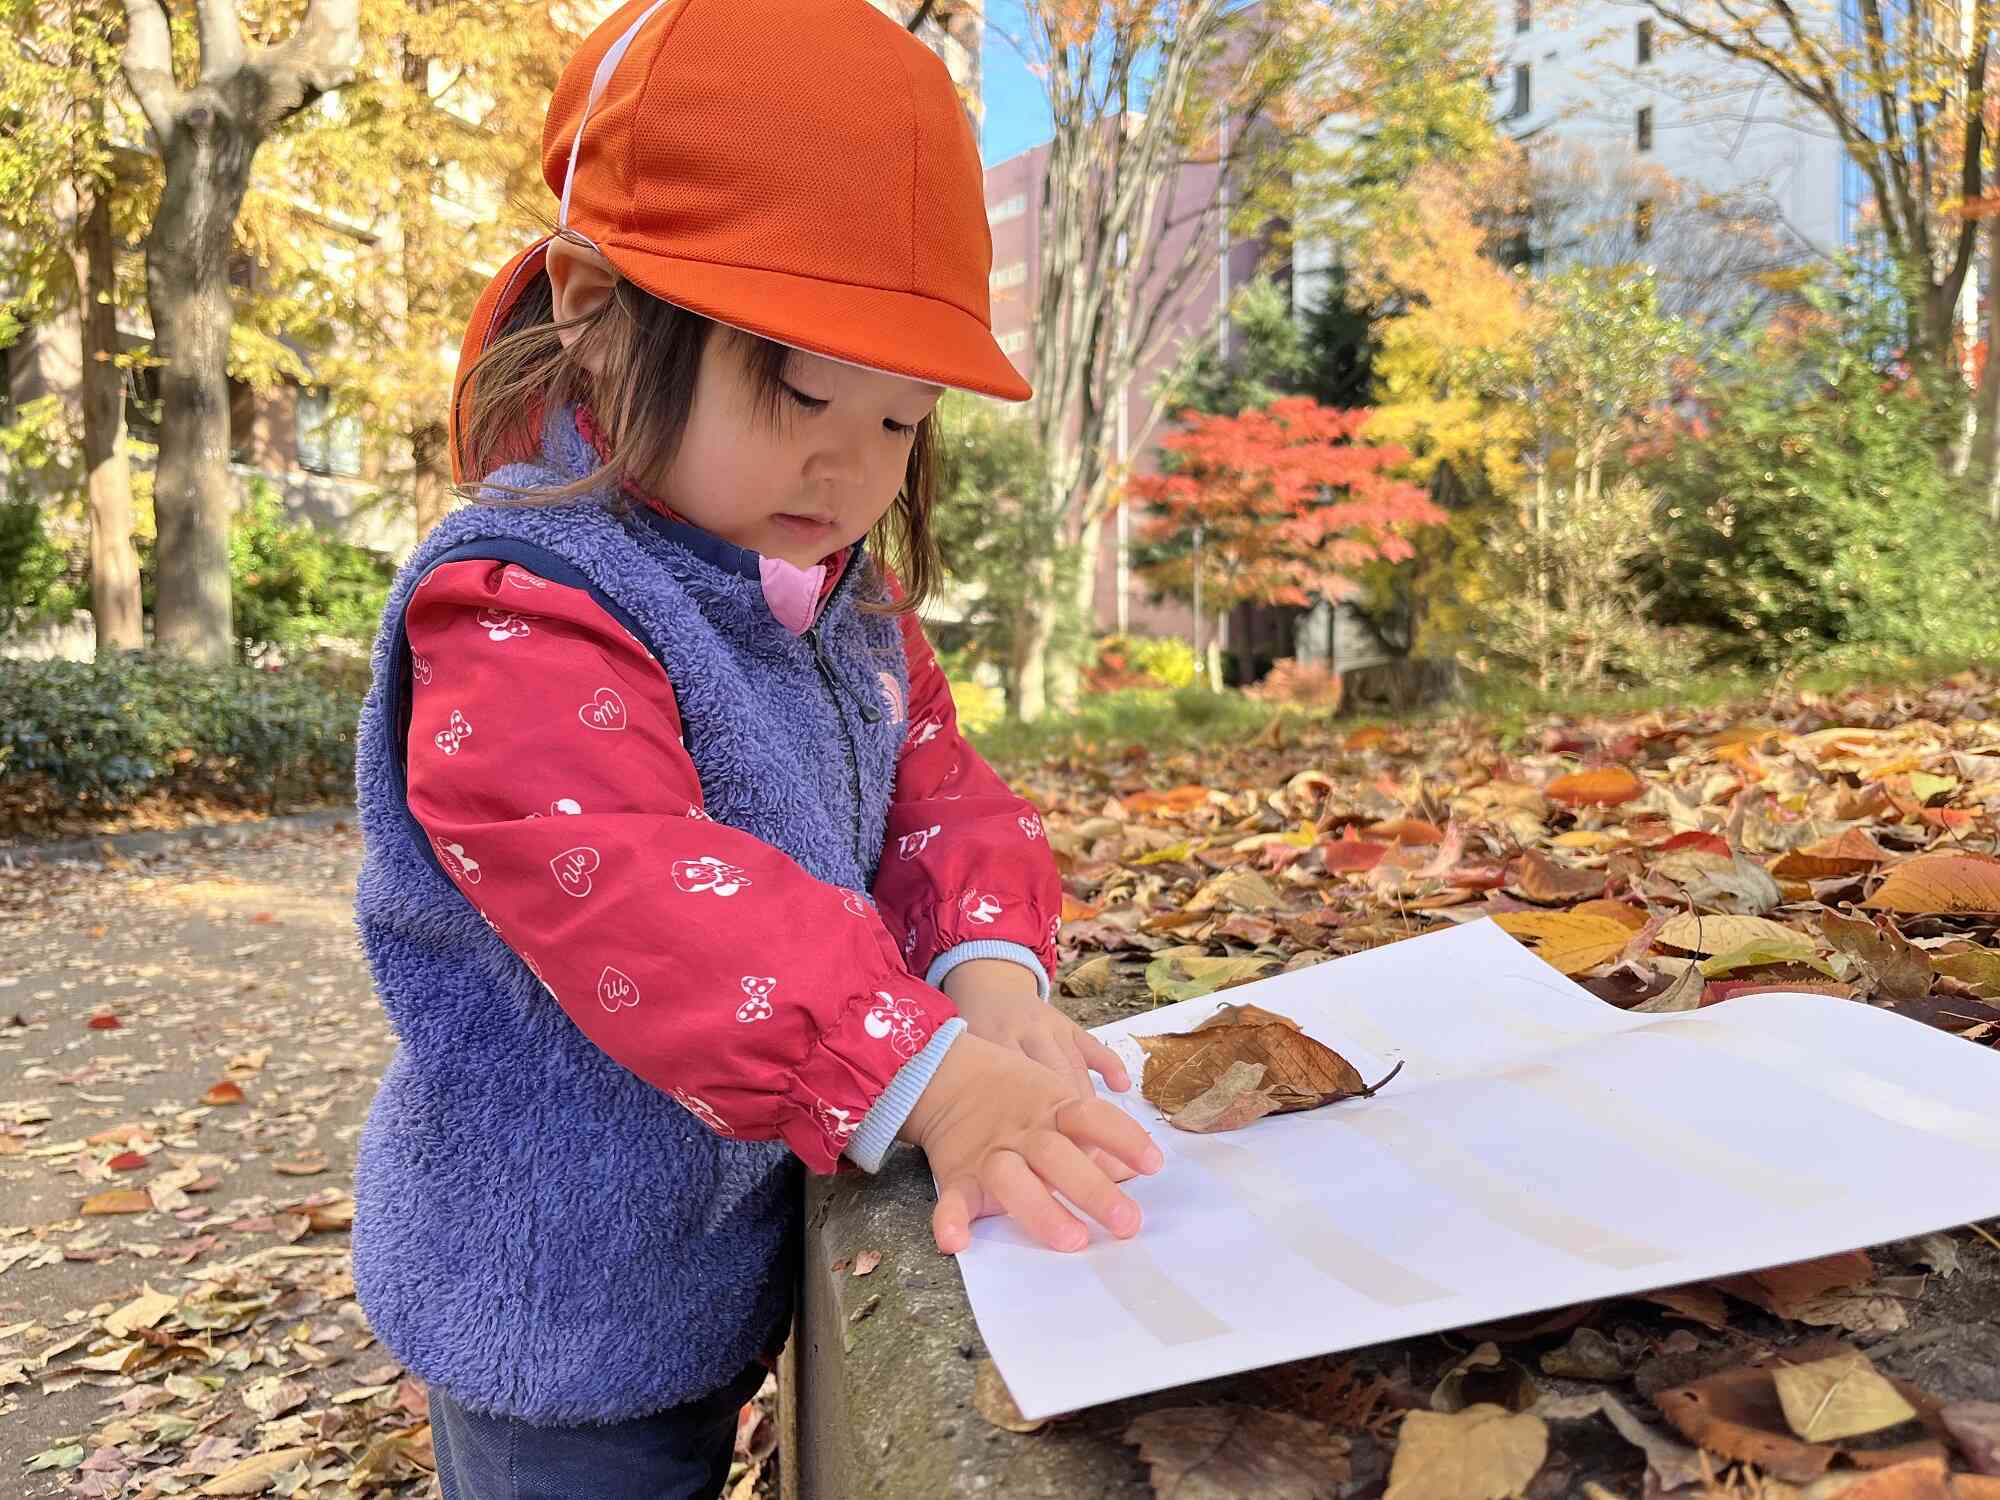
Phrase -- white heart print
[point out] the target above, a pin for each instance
(856, 903)
(573, 867)
(420, 668)
(606, 711)
(615, 989)
(913, 844)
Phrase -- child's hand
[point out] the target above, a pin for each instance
(999, 1003)
(1004, 1134)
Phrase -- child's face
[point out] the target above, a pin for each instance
(813, 482)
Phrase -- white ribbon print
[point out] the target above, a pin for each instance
(758, 1006)
(449, 737)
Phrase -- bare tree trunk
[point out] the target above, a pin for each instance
(1031, 645)
(187, 288)
(430, 478)
(114, 561)
(207, 137)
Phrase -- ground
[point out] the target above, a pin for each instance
(191, 1045)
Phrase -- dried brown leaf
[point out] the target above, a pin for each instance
(1228, 1452)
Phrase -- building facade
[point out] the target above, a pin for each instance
(1014, 196)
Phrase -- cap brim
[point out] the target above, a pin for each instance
(900, 333)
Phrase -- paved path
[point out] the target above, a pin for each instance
(205, 958)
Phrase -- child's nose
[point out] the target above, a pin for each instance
(839, 461)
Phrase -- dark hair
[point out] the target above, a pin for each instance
(651, 352)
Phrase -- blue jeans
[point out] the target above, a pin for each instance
(682, 1453)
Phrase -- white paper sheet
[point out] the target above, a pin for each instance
(1539, 1148)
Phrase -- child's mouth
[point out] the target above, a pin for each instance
(805, 526)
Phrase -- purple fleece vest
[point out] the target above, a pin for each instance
(537, 1231)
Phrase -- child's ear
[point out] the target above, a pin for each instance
(580, 282)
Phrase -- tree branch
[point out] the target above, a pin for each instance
(148, 61)
(317, 58)
(221, 36)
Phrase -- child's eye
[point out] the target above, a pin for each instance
(810, 403)
(898, 428)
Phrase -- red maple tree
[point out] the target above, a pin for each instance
(1289, 499)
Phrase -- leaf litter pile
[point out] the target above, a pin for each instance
(191, 1045)
(1840, 845)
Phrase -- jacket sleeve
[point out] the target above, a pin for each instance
(967, 871)
(546, 765)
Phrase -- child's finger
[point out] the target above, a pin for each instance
(1099, 1122)
(1110, 1165)
(958, 1204)
(1063, 1166)
(1007, 1175)
(1104, 1062)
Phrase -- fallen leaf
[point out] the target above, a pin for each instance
(126, 1161)
(1978, 969)
(1673, 1464)
(1234, 1100)
(1838, 1398)
(1782, 1290)
(1743, 887)
(1975, 1427)
(118, 1201)
(1940, 884)
(1853, 851)
(1685, 993)
(254, 1475)
(1189, 978)
(1567, 941)
(1601, 788)
(1485, 1377)
(1721, 934)
(104, 1023)
(1245, 1015)
(1480, 1453)
(1090, 978)
(1299, 1072)
(1228, 1452)
(225, 1092)
(1351, 856)
(867, 1261)
(1894, 967)
(1540, 878)
(993, 1401)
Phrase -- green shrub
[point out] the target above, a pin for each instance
(1814, 509)
(103, 734)
(294, 585)
(38, 577)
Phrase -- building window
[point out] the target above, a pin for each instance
(1643, 42)
(1015, 342)
(1645, 133)
(1642, 221)
(1524, 14)
(1523, 92)
(1012, 274)
(1007, 208)
(328, 443)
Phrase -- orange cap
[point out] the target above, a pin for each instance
(799, 169)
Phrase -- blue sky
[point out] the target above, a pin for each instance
(1016, 116)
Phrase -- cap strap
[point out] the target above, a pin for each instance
(599, 81)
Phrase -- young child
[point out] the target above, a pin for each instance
(679, 873)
